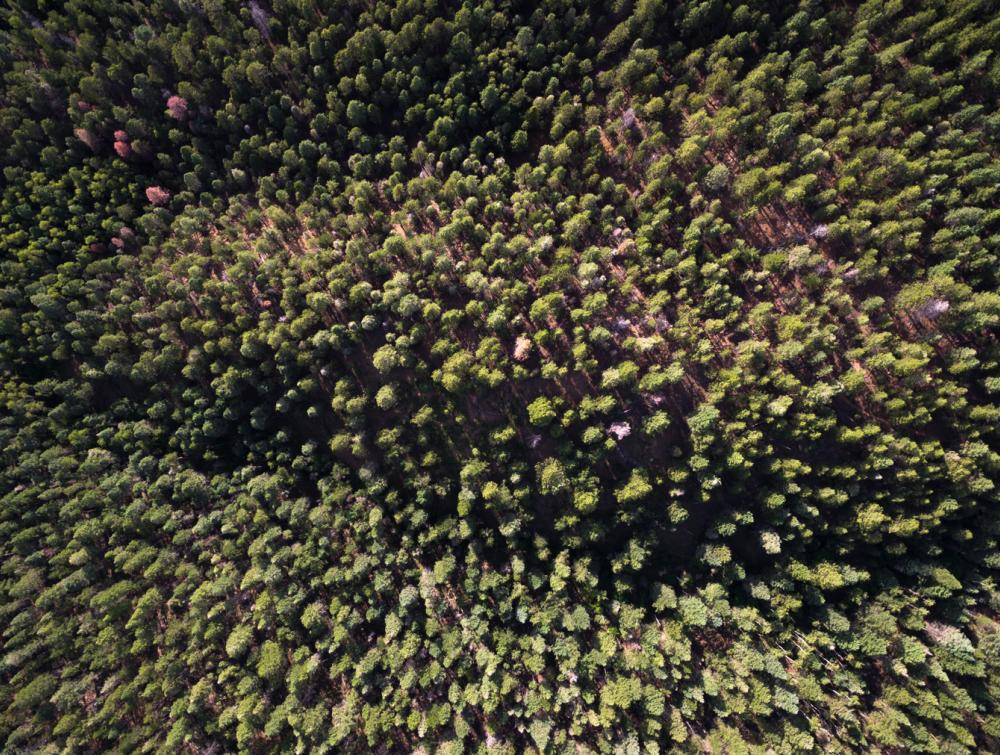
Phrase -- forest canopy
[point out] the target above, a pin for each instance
(500, 377)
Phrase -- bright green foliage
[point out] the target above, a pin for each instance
(635, 488)
(541, 412)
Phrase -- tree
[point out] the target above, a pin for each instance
(541, 412)
(635, 488)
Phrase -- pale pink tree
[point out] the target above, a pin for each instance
(87, 137)
(177, 107)
(522, 347)
(157, 195)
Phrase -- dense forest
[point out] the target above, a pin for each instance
(575, 377)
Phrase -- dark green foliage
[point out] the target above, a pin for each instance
(499, 376)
